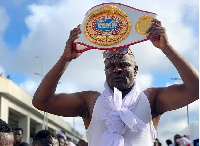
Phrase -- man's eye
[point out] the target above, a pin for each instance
(110, 67)
(124, 65)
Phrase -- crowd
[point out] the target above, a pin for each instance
(13, 137)
(178, 141)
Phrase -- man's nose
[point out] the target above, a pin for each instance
(117, 69)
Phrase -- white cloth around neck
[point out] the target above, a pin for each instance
(118, 116)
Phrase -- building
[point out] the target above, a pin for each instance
(17, 110)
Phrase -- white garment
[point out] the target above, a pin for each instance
(71, 143)
(133, 136)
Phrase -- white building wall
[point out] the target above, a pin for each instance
(13, 97)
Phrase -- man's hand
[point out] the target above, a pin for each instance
(69, 52)
(156, 30)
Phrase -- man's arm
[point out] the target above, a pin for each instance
(175, 96)
(45, 99)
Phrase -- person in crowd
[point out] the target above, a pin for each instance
(82, 143)
(157, 142)
(62, 134)
(45, 138)
(6, 134)
(122, 114)
(169, 142)
(61, 140)
(66, 142)
(184, 141)
(18, 136)
(176, 140)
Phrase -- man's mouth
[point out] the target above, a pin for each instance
(118, 78)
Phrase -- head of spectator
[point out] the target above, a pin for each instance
(61, 140)
(6, 134)
(45, 137)
(157, 142)
(176, 137)
(62, 133)
(168, 141)
(82, 143)
(66, 142)
(18, 135)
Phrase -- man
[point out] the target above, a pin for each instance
(6, 134)
(61, 140)
(82, 143)
(169, 142)
(18, 135)
(181, 141)
(60, 135)
(176, 138)
(157, 142)
(108, 119)
(45, 138)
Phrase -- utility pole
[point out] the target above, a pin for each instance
(45, 120)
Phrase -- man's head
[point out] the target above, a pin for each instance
(45, 137)
(61, 140)
(66, 142)
(18, 135)
(168, 141)
(176, 137)
(120, 68)
(82, 143)
(6, 135)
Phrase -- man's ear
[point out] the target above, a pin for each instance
(135, 70)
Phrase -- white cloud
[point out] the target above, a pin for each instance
(144, 81)
(29, 86)
(4, 20)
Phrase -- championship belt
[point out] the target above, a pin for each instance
(112, 26)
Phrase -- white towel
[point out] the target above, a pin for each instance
(118, 115)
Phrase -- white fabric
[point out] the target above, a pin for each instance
(71, 143)
(62, 134)
(184, 141)
(140, 108)
(118, 115)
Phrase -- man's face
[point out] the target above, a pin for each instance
(61, 141)
(66, 143)
(120, 71)
(18, 136)
(176, 137)
(6, 139)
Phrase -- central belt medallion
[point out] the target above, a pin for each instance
(107, 26)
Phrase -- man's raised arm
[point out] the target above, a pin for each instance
(175, 96)
(61, 104)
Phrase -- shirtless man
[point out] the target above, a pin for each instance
(120, 71)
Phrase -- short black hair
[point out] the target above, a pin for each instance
(168, 141)
(18, 128)
(42, 134)
(4, 127)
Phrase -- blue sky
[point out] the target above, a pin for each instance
(40, 28)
